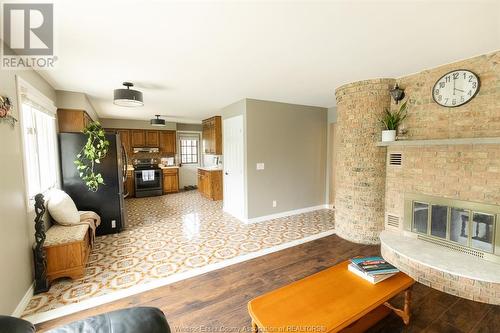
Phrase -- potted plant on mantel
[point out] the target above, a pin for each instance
(391, 121)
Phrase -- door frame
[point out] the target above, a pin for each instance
(200, 153)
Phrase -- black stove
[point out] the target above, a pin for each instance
(145, 164)
(148, 177)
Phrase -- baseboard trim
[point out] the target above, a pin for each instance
(286, 214)
(99, 300)
(24, 301)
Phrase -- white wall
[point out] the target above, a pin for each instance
(16, 224)
(75, 100)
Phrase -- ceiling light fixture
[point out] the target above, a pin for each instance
(157, 121)
(128, 97)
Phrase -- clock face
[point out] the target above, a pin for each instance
(455, 88)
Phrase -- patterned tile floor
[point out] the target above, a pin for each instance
(168, 235)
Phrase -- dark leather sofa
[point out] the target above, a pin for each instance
(132, 320)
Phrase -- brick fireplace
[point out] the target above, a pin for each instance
(450, 155)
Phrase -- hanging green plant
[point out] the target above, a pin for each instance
(92, 153)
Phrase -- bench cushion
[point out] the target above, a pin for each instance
(59, 234)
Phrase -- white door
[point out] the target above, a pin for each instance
(188, 146)
(234, 184)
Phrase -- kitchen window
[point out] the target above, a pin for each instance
(189, 151)
(38, 123)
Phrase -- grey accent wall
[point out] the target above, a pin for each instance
(134, 124)
(16, 223)
(291, 140)
(332, 114)
(189, 127)
(330, 155)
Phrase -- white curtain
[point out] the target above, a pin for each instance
(39, 130)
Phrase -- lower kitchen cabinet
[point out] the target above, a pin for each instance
(129, 184)
(170, 180)
(210, 183)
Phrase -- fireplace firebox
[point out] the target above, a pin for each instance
(464, 226)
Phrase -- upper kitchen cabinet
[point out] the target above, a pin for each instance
(137, 138)
(168, 142)
(212, 135)
(73, 121)
(152, 139)
(125, 139)
(74, 111)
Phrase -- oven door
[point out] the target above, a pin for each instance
(148, 185)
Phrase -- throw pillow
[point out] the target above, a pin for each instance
(62, 208)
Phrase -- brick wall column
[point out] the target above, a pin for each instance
(360, 171)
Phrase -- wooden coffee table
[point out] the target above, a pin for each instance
(332, 300)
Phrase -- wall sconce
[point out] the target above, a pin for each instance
(397, 93)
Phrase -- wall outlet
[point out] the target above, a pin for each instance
(275, 203)
(113, 223)
(260, 166)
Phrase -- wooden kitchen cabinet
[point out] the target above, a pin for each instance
(210, 183)
(125, 140)
(72, 121)
(152, 139)
(130, 184)
(137, 138)
(212, 135)
(170, 180)
(168, 143)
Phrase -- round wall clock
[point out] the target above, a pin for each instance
(455, 88)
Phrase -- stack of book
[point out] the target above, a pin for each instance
(372, 269)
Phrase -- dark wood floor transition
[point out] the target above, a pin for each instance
(216, 302)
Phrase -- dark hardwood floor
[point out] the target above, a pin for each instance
(216, 302)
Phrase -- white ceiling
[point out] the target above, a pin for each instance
(191, 59)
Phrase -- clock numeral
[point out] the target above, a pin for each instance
(454, 101)
(462, 99)
(470, 78)
(470, 93)
(455, 76)
(441, 84)
(446, 100)
(447, 78)
(474, 85)
(465, 76)
(440, 97)
(436, 91)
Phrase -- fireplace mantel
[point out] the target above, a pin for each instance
(443, 269)
(442, 142)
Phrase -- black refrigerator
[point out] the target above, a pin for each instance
(108, 201)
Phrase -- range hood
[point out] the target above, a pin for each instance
(146, 150)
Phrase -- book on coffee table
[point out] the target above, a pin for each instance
(370, 278)
(373, 265)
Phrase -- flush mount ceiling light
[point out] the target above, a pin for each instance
(128, 97)
(157, 121)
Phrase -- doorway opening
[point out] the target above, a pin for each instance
(189, 148)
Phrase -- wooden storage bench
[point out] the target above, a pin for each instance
(67, 249)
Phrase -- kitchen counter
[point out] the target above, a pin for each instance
(211, 168)
(131, 167)
(168, 167)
